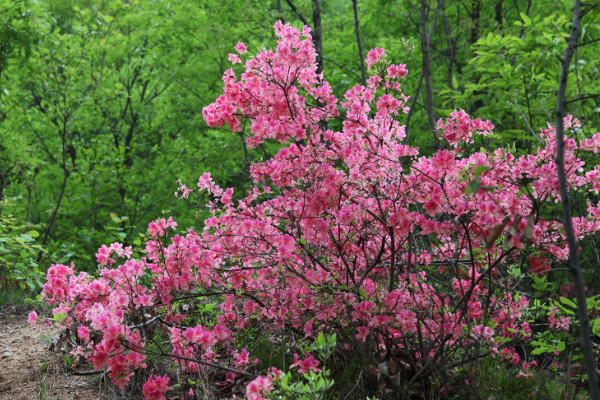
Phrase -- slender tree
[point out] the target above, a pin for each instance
(426, 46)
(317, 34)
(451, 43)
(574, 265)
(363, 74)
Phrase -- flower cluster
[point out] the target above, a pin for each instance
(348, 231)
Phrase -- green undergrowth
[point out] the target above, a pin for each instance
(493, 380)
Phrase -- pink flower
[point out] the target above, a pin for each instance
(234, 58)
(561, 323)
(539, 265)
(83, 333)
(240, 48)
(363, 331)
(155, 387)
(259, 388)
(32, 319)
(308, 364)
(241, 358)
(207, 339)
(483, 332)
(396, 71)
(374, 55)
(221, 332)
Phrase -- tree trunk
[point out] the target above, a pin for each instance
(574, 266)
(317, 34)
(450, 42)
(475, 20)
(363, 72)
(427, 70)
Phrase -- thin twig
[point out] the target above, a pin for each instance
(579, 98)
(297, 12)
(341, 66)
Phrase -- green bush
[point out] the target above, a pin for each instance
(19, 252)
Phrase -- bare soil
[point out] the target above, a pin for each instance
(30, 371)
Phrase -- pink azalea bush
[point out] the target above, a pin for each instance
(345, 231)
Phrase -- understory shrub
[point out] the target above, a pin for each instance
(413, 264)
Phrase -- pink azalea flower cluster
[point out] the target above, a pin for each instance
(155, 387)
(345, 230)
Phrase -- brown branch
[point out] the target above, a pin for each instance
(451, 43)
(297, 12)
(426, 37)
(579, 98)
(589, 8)
(363, 72)
(317, 34)
(341, 66)
(588, 42)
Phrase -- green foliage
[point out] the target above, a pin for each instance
(19, 269)
(492, 379)
(560, 340)
(309, 385)
(108, 106)
(105, 98)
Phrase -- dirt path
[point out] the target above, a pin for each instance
(29, 371)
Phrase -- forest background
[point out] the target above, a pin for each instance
(100, 101)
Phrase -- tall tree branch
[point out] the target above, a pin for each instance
(574, 265)
(363, 72)
(317, 34)
(297, 12)
(341, 66)
(426, 36)
(451, 43)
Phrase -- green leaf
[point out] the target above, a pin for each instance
(454, 82)
(480, 169)
(30, 283)
(526, 19)
(473, 186)
(33, 233)
(568, 302)
(540, 350)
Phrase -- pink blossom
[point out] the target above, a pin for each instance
(259, 388)
(241, 48)
(234, 58)
(374, 55)
(396, 71)
(363, 331)
(32, 318)
(83, 333)
(308, 364)
(241, 358)
(344, 228)
(155, 387)
(483, 332)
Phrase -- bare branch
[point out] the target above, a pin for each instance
(426, 37)
(363, 72)
(588, 42)
(589, 8)
(579, 98)
(341, 66)
(297, 12)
